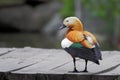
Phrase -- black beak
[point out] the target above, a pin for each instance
(61, 27)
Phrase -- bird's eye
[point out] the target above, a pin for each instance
(67, 20)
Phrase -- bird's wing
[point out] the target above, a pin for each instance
(86, 33)
(81, 37)
(84, 46)
(84, 53)
(97, 52)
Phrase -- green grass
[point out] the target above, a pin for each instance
(9, 2)
(67, 9)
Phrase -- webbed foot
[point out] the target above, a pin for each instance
(85, 70)
(74, 71)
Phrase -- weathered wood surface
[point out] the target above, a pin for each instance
(53, 64)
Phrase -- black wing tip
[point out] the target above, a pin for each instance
(97, 62)
(100, 58)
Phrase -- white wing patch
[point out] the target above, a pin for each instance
(65, 43)
(90, 40)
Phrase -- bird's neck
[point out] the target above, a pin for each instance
(69, 30)
(75, 29)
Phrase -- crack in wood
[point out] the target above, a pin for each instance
(107, 70)
(6, 52)
(60, 65)
(63, 64)
(22, 67)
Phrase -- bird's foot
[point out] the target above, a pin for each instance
(85, 70)
(74, 71)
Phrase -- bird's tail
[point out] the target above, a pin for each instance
(97, 62)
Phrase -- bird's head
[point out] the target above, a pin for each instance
(72, 23)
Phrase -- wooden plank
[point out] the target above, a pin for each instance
(110, 62)
(106, 65)
(55, 58)
(60, 64)
(4, 51)
(115, 58)
(18, 59)
(35, 64)
(58, 77)
(51, 64)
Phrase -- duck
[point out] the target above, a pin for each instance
(80, 43)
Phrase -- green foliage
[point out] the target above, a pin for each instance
(68, 8)
(102, 8)
(8, 2)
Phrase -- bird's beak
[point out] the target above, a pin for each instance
(61, 27)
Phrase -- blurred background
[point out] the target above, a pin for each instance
(34, 23)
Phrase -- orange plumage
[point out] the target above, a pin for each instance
(78, 36)
(75, 36)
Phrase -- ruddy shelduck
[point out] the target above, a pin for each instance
(80, 43)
